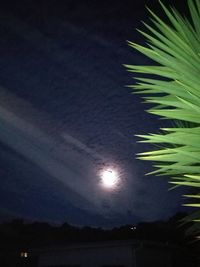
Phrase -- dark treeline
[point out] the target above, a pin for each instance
(18, 234)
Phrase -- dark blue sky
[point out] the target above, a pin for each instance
(65, 114)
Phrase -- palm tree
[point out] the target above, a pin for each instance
(175, 95)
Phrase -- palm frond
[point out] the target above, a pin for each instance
(175, 94)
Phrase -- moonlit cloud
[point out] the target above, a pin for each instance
(61, 160)
(78, 144)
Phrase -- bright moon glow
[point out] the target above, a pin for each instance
(109, 178)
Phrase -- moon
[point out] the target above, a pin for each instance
(109, 178)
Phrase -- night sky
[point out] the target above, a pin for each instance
(66, 115)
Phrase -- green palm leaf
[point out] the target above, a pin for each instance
(175, 93)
